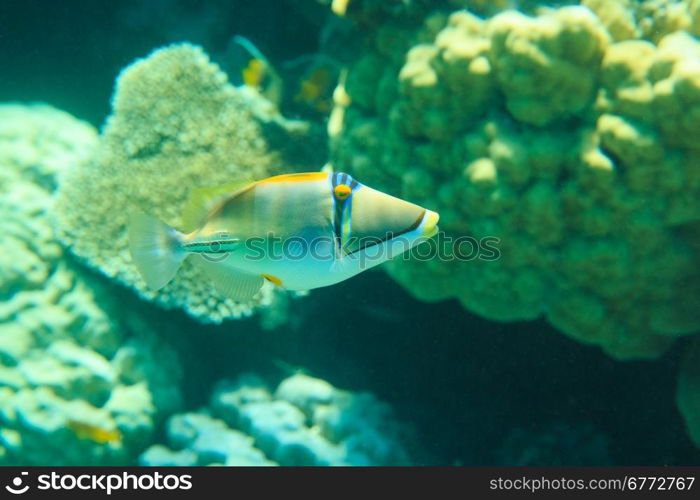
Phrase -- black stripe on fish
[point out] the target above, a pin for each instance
(390, 236)
(338, 222)
(214, 246)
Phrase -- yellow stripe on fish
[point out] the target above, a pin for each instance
(299, 231)
(300, 177)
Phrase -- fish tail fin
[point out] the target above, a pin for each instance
(156, 249)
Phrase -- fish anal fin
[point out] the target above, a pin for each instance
(203, 200)
(239, 285)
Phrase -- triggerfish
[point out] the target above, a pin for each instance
(298, 231)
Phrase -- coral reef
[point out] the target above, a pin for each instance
(176, 125)
(306, 421)
(544, 66)
(81, 381)
(200, 439)
(648, 19)
(570, 135)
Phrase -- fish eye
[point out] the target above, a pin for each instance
(342, 191)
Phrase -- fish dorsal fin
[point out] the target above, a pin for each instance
(295, 177)
(241, 286)
(203, 200)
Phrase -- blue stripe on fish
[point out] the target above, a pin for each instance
(342, 209)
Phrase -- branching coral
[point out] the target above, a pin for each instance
(579, 153)
(305, 422)
(80, 382)
(177, 125)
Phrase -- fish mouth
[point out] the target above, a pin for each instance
(430, 227)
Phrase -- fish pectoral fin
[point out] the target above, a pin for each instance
(239, 285)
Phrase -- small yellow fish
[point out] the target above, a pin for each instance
(298, 231)
(94, 433)
(259, 73)
(254, 73)
(339, 7)
(315, 89)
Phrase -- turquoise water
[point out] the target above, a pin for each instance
(566, 132)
